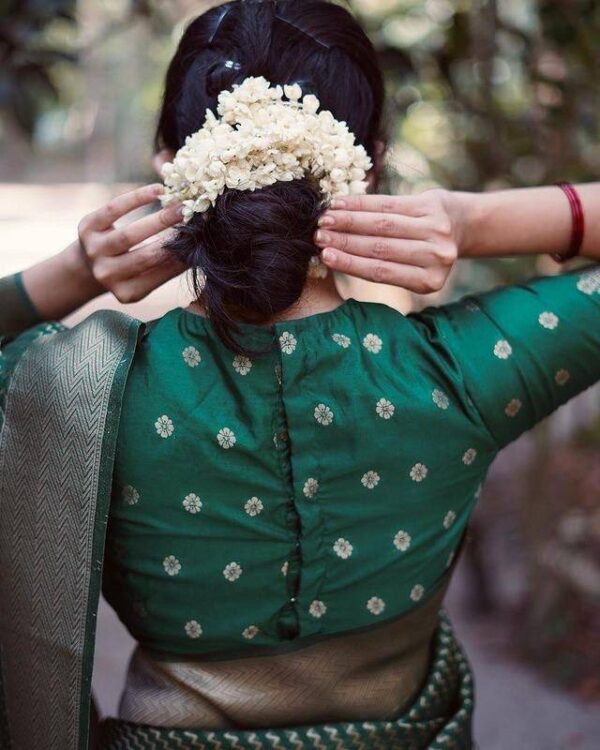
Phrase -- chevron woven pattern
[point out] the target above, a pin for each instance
(51, 454)
(440, 719)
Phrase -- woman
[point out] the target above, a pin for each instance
(286, 475)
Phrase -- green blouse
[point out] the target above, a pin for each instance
(263, 504)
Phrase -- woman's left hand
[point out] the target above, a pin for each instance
(407, 241)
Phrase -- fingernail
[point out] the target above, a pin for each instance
(328, 255)
(158, 189)
(338, 203)
(180, 210)
(326, 221)
(323, 237)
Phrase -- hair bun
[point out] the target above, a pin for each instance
(253, 249)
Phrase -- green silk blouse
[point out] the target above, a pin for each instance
(264, 504)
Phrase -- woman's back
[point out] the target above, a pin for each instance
(262, 505)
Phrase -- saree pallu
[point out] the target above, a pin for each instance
(439, 719)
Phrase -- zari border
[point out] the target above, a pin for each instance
(56, 458)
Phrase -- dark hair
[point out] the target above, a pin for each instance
(253, 248)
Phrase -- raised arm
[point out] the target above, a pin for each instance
(414, 241)
(129, 262)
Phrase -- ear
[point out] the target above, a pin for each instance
(160, 158)
(374, 173)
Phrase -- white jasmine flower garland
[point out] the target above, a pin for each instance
(259, 139)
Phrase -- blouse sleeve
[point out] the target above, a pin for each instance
(524, 350)
(17, 311)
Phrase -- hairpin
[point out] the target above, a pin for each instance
(219, 23)
(232, 65)
(302, 31)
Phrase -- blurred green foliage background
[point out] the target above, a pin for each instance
(482, 93)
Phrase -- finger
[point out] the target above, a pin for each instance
(371, 223)
(411, 252)
(152, 254)
(117, 207)
(410, 205)
(409, 277)
(133, 290)
(122, 239)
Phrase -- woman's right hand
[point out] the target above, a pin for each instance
(130, 261)
(408, 241)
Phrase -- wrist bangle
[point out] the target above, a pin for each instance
(578, 223)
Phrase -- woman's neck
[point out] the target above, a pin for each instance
(318, 296)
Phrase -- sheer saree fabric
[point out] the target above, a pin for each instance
(439, 718)
(375, 673)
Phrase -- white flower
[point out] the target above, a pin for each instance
(311, 105)
(440, 399)
(548, 320)
(589, 282)
(343, 548)
(469, 456)
(287, 342)
(502, 349)
(253, 506)
(192, 503)
(171, 565)
(402, 540)
(232, 571)
(449, 519)
(130, 495)
(384, 408)
(372, 343)
(418, 472)
(250, 632)
(262, 134)
(293, 92)
(285, 567)
(341, 340)
(193, 629)
(242, 364)
(417, 592)
(317, 608)
(513, 407)
(226, 438)
(562, 377)
(323, 414)
(375, 605)
(311, 487)
(370, 479)
(316, 268)
(191, 356)
(164, 426)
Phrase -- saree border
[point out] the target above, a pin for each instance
(107, 459)
(70, 385)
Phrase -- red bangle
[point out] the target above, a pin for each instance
(578, 226)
